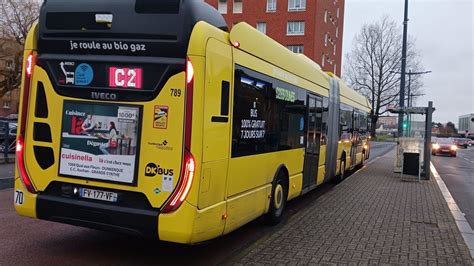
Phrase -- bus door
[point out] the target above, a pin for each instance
(216, 124)
(313, 141)
(354, 148)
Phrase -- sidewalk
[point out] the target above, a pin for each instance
(370, 218)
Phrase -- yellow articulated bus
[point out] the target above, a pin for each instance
(151, 118)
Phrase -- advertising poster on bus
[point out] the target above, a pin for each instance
(99, 141)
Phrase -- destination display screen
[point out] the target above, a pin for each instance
(105, 75)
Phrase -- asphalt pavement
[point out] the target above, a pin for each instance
(30, 241)
(7, 171)
(458, 175)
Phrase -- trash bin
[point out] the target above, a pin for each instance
(411, 163)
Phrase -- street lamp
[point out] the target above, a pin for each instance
(409, 74)
(409, 83)
(404, 125)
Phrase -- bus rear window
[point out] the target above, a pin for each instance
(157, 7)
(74, 21)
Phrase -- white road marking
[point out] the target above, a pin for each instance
(461, 222)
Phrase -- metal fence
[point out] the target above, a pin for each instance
(7, 142)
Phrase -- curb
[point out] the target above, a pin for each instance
(461, 222)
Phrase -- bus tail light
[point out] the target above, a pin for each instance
(189, 103)
(184, 184)
(20, 156)
(20, 144)
(30, 63)
(189, 164)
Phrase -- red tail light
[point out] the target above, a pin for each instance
(189, 103)
(189, 71)
(184, 184)
(30, 63)
(20, 144)
(20, 157)
(189, 164)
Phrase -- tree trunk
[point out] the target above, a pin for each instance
(373, 125)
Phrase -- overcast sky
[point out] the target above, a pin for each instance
(443, 30)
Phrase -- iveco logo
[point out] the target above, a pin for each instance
(104, 96)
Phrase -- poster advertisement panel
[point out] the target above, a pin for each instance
(99, 141)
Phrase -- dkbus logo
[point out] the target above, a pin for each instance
(152, 169)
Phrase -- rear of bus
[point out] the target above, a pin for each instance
(106, 116)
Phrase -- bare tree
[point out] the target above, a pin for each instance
(373, 65)
(16, 19)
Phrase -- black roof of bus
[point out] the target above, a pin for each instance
(164, 26)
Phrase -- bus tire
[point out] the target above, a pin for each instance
(342, 172)
(278, 199)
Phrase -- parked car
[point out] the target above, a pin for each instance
(460, 142)
(444, 146)
(12, 130)
(471, 142)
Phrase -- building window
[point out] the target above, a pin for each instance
(271, 5)
(295, 28)
(262, 27)
(326, 16)
(326, 39)
(222, 6)
(298, 49)
(337, 13)
(296, 5)
(337, 32)
(324, 59)
(334, 49)
(6, 105)
(237, 7)
(335, 68)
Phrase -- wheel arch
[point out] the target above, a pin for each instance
(282, 169)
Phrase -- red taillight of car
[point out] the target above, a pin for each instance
(184, 184)
(20, 157)
(20, 144)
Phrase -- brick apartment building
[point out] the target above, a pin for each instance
(312, 27)
(9, 102)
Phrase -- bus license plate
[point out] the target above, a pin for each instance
(98, 195)
(125, 77)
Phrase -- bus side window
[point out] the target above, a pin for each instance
(346, 125)
(324, 126)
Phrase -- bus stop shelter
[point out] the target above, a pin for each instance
(414, 144)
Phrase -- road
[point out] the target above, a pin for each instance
(458, 174)
(7, 170)
(6, 173)
(29, 241)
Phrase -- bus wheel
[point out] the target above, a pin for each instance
(342, 172)
(278, 200)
